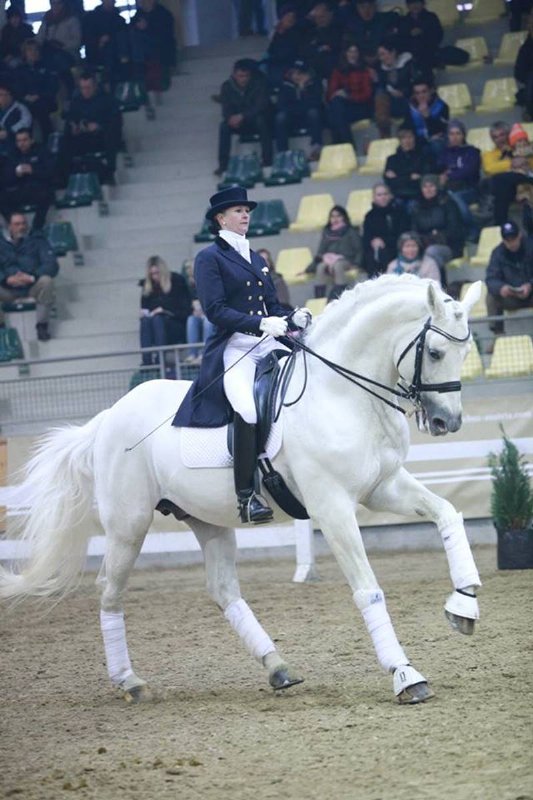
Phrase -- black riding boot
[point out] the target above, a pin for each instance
(251, 508)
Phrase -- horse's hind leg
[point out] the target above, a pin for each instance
(219, 550)
(124, 542)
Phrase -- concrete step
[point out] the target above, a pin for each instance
(82, 326)
(87, 345)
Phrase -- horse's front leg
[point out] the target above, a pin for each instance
(403, 494)
(334, 511)
(219, 550)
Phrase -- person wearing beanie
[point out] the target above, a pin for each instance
(459, 166)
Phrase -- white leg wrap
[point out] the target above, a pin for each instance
(241, 618)
(388, 649)
(462, 605)
(404, 677)
(463, 571)
(116, 649)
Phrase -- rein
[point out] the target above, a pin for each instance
(411, 392)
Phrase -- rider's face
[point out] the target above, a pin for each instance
(235, 219)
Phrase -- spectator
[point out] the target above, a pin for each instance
(153, 45)
(322, 41)
(369, 27)
(105, 36)
(382, 226)
(509, 274)
(285, 44)
(404, 168)
(37, 86)
(428, 116)
(14, 33)
(60, 39)
(437, 220)
(410, 260)
(421, 34)
(27, 179)
(459, 166)
(517, 9)
(349, 94)
(282, 290)
(93, 124)
(503, 185)
(523, 72)
(27, 268)
(339, 251)
(165, 307)
(13, 117)
(245, 109)
(299, 106)
(395, 75)
(499, 158)
(198, 326)
(249, 10)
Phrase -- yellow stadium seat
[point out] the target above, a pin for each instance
(528, 126)
(445, 10)
(512, 357)
(477, 49)
(488, 240)
(360, 125)
(316, 305)
(472, 365)
(359, 202)
(313, 212)
(458, 97)
(480, 138)
(498, 95)
(509, 47)
(378, 152)
(336, 161)
(292, 261)
(484, 11)
(480, 308)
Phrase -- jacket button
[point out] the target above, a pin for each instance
(260, 313)
(260, 297)
(251, 313)
(259, 283)
(251, 298)
(248, 283)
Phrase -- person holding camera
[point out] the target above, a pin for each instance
(509, 276)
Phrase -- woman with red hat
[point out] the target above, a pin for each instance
(237, 294)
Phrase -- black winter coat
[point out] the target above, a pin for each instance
(406, 163)
(438, 221)
(513, 269)
(387, 224)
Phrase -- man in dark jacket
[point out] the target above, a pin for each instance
(523, 72)
(105, 36)
(299, 106)
(509, 276)
(382, 226)
(368, 27)
(27, 179)
(245, 109)
(322, 40)
(406, 166)
(93, 124)
(13, 117)
(36, 86)
(420, 33)
(428, 117)
(27, 267)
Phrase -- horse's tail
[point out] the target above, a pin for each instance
(59, 488)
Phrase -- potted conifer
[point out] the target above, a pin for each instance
(512, 507)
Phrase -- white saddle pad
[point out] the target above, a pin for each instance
(207, 448)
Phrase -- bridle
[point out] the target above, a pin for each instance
(405, 391)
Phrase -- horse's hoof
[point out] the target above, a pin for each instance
(281, 678)
(134, 690)
(418, 693)
(461, 624)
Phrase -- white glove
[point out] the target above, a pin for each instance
(302, 317)
(274, 326)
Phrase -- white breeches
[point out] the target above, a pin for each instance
(239, 381)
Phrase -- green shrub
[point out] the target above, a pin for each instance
(511, 501)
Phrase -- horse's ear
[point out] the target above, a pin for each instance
(435, 300)
(472, 296)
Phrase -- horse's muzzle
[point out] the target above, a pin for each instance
(441, 421)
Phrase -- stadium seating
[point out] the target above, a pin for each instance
(480, 137)
(82, 189)
(446, 11)
(512, 357)
(10, 344)
(477, 49)
(509, 47)
(204, 234)
(316, 305)
(291, 262)
(480, 308)
(490, 237)
(61, 237)
(378, 152)
(458, 97)
(359, 202)
(472, 365)
(268, 218)
(289, 166)
(313, 212)
(243, 170)
(336, 161)
(484, 11)
(498, 95)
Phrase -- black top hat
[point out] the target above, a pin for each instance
(227, 198)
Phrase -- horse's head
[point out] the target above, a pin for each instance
(436, 357)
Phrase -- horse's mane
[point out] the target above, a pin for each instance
(378, 293)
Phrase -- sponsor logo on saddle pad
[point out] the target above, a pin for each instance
(207, 448)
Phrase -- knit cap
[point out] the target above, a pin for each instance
(517, 134)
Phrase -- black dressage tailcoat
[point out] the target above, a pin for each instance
(235, 297)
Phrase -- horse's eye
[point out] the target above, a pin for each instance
(436, 355)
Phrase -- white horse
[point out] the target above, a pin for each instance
(341, 446)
